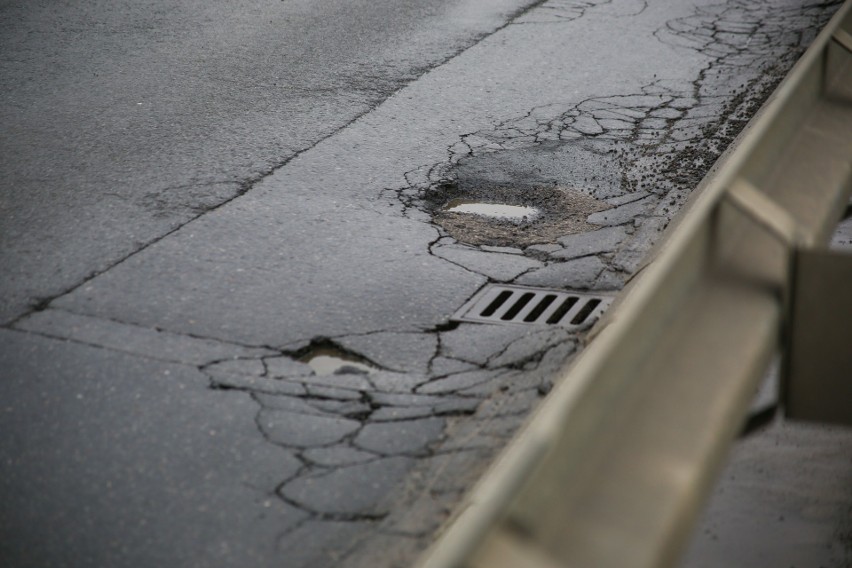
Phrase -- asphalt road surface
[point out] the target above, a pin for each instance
(203, 202)
(124, 121)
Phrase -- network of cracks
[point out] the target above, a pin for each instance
(388, 429)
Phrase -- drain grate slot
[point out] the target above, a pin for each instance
(517, 307)
(585, 311)
(539, 308)
(564, 308)
(497, 303)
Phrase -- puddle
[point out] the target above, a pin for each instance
(493, 210)
(327, 361)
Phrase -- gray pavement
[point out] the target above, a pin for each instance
(201, 197)
(112, 459)
(124, 121)
(785, 499)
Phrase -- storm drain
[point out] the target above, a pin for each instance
(533, 306)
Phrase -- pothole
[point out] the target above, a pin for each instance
(327, 361)
(492, 210)
(564, 182)
(515, 216)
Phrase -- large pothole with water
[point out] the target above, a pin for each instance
(511, 216)
(517, 198)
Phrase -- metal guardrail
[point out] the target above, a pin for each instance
(615, 465)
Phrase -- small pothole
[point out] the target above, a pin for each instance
(327, 361)
(492, 210)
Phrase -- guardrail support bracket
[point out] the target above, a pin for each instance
(817, 375)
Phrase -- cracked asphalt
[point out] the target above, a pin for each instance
(190, 214)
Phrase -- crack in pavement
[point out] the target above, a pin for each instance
(389, 425)
(369, 419)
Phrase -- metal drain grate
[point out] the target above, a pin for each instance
(533, 306)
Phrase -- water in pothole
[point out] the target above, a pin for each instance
(329, 361)
(493, 210)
